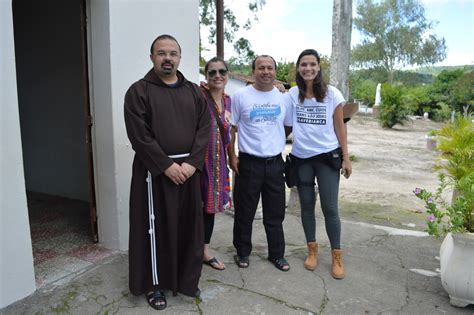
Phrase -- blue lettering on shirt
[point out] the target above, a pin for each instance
(265, 113)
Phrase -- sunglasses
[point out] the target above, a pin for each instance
(213, 73)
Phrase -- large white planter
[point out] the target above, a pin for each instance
(457, 268)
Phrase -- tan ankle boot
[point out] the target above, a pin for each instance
(337, 264)
(312, 260)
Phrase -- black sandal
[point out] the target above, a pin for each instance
(280, 263)
(213, 262)
(155, 299)
(242, 261)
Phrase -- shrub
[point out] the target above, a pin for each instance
(365, 91)
(417, 99)
(443, 113)
(456, 171)
(456, 143)
(392, 110)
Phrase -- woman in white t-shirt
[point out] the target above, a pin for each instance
(320, 148)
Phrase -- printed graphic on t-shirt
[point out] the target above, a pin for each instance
(265, 113)
(314, 115)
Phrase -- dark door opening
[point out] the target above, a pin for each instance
(55, 121)
(88, 122)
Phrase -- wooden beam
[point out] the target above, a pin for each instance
(220, 27)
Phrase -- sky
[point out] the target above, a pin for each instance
(286, 27)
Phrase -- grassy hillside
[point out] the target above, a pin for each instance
(434, 71)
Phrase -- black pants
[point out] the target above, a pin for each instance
(259, 176)
(208, 226)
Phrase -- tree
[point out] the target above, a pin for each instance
(417, 99)
(341, 45)
(237, 67)
(395, 34)
(286, 71)
(325, 65)
(207, 18)
(463, 92)
(244, 51)
(442, 89)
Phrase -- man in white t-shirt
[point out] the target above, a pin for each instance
(259, 111)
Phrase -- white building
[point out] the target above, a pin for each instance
(65, 67)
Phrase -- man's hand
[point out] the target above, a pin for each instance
(176, 174)
(234, 163)
(233, 159)
(188, 169)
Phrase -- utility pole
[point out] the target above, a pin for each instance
(220, 28)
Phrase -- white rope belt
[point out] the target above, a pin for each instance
(151, 219)
(151, 231)
(177, 156)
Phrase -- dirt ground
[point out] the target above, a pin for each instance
(389, 164)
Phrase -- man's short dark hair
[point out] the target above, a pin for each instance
(161, 37)
(263, 56)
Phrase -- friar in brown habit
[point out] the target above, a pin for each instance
(168, 126)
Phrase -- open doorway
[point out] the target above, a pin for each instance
(55, 121)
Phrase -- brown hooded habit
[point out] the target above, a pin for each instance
(164, 121)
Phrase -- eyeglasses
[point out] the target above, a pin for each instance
(162, 54)
(213, 73)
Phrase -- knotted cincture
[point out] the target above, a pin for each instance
(151, 219)
(151, 231)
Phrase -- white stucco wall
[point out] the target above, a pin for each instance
(16, 258)
(233, 85)
(121, 35)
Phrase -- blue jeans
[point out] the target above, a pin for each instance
(328, 185)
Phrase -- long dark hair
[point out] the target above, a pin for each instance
(319, 86)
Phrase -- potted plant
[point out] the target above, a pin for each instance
(455, 219)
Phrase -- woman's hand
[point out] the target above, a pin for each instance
(346, 169)
(280, 87)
